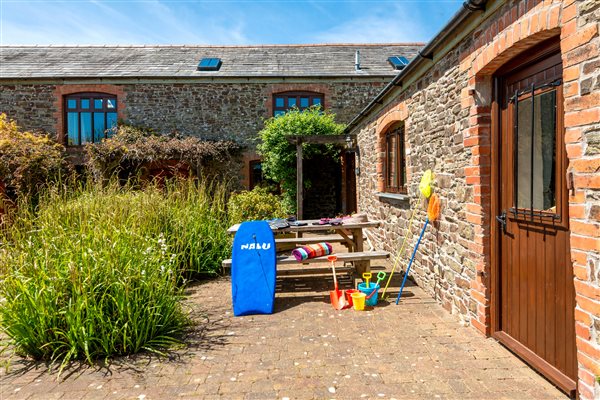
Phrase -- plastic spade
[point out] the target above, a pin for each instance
(433, 212)
(380, 276)
(338, 297)
(367, 277)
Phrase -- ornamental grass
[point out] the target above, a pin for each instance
(99, 271)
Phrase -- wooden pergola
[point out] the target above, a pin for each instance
(348, 141)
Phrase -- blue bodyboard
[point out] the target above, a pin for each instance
(253, 269)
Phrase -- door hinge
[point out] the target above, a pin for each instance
(570, 186)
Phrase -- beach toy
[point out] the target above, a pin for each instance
(370, 293)
(338, 298)
(433, 212)
(349, 296)
(380, 277)
(358, 299)
(253, 269)
(367, 277)
(425, 184)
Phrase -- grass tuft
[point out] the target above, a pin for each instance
(99, 271)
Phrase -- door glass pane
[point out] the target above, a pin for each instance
(86, 127)
(279, 102)
(279, 112)
(391, 161)
(85, 103)
(291, 101)
(72, 128)
(316, 101)
(71, 103)
(111, 103)
(536, 158)
(303, 102)
(98, 104)
(98, 127)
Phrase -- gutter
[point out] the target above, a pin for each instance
(426, 54)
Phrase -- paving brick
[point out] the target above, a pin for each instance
(305, 350)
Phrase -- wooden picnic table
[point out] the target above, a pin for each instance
(351, 233)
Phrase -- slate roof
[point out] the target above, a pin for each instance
(181, 61)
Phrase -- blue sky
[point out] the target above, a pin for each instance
(221, 22)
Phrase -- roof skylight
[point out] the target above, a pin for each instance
(209, 64)
(398, 62)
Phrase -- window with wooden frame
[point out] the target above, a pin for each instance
(89, 117)
(395, 160)
(283, 102)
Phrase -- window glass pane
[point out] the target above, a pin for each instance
(72, 103)
(391, 162)
(111, 103)
(72, 128)
(98, 126)
(85, 103)
(303, 102)
(536, 154)
(279, 112)
(86, 127)
(291, 101)
(279, 102)
(98, 103)
(256, 172)
(316, 101)
(111, 122)
(403, 155)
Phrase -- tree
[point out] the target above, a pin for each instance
(279, 155)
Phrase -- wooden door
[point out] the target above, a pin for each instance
(534, 309)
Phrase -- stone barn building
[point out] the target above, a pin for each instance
(214, 92)
(504, 106)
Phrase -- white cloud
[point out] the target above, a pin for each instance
(95, 22)
(390, 24)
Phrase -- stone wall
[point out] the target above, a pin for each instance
(209, 110)
(447, 115)
(32, 106)
(433, 122)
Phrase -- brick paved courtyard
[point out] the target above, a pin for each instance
(306, 350)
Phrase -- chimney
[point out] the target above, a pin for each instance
(357, 60)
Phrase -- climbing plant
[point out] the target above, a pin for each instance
(131, 149)
(279, 155)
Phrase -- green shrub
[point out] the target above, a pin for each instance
(257, 204)
(98, 271)
(279, 155)
(28, 161)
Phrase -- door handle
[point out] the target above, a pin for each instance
(502, 219)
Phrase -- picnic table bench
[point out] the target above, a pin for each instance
(350, 234)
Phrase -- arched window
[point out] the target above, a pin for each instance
(395, 159)
(282, 102)
(89, 117)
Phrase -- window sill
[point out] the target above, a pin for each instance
(393, 197)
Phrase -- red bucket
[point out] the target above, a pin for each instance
(349, 295)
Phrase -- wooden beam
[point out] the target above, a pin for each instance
(321, 139)
(299, 184)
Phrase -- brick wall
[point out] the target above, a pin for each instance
(448, 123)
(580, 46)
